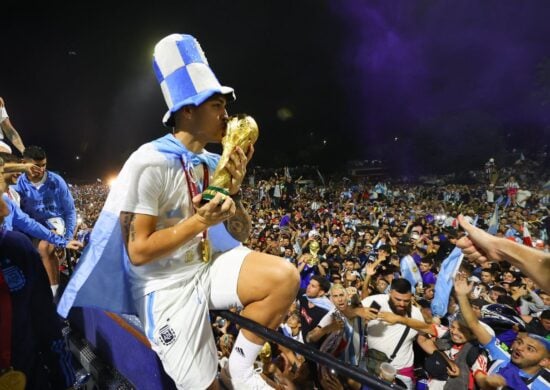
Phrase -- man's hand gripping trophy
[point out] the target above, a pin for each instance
(238, 147)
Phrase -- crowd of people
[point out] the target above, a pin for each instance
(351, 241)
(348, 239)
(423, 286)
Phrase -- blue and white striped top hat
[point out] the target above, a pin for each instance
(184, 75)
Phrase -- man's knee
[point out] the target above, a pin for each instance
(45, 248)
(264, 275)
(287, 275)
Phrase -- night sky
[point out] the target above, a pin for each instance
(422, 85)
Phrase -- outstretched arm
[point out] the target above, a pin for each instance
(462, 290)
(481, 247)
(393, 318)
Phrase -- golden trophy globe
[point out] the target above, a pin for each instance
(242, 131)
(314, 252)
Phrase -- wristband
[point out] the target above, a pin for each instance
(237, 196)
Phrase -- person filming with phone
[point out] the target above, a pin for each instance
(392, 343)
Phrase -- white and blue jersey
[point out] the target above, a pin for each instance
(501, 363)
(49, 200)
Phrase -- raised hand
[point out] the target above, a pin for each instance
(462, 287)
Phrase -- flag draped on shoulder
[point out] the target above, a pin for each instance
(444, 282)
(322, 302)
(101, 277)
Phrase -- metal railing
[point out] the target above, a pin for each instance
(310, 353)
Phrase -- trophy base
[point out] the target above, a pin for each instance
(211, 192)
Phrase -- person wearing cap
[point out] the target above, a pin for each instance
(526, 366)
(182, 257)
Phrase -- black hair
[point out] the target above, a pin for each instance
(34, 152)
(427, 260)
(516, 283)
(499, 289)
(324, 284)
(467, 268)
(9, 158)
(493, 272)
(403, 249)
(385, 248)
(402, 286)
(506, 300)
(545, 315)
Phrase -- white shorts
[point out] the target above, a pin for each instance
(177, 323)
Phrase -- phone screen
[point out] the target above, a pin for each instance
(375, 305)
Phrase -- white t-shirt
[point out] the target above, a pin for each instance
(384, 337)
(157, 186)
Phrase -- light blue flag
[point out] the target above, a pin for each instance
(444, 282)
(101, 277)
(494, 221)
(322, 302)
(410, 271)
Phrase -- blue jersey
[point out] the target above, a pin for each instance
(20, 221)
(502, 360)
(51, 199)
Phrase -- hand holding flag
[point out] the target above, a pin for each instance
(478, 245)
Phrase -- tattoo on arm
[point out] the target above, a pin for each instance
(128, 228)
(240, 225)
(14, 137)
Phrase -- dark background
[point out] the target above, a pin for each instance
(422, 85)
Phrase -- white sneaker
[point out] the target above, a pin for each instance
(252, 382)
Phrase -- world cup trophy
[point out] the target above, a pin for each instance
(314, 252)
(242, 131)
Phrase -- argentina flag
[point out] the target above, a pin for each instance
(101, 277)
(444, 282)
(493, 222)
(410, 271)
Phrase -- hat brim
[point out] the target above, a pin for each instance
(196, 100)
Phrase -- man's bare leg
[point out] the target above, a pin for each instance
(266, 287)
(51, 263)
